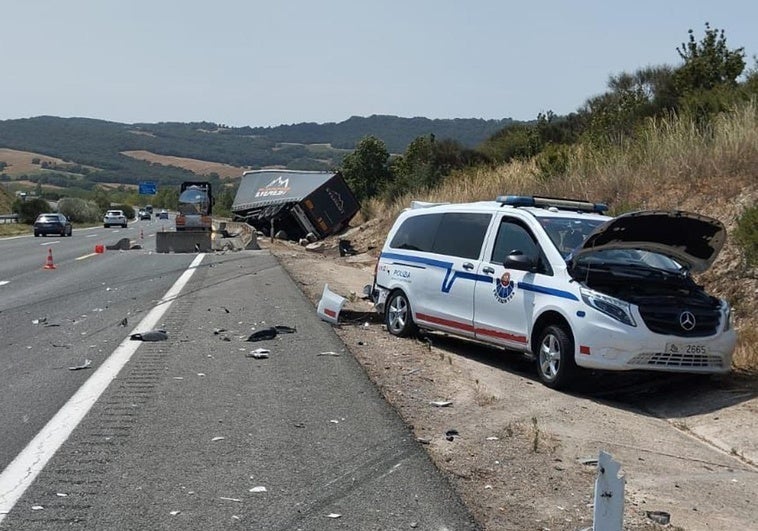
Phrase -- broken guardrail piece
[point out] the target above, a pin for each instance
(609, 495)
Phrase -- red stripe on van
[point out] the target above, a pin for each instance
(500, 334)
(445, 322)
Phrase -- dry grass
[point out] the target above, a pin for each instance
(20, 162)
(200, 167)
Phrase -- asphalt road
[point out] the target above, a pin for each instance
(193, 433)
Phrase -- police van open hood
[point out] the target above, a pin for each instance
(692, 240)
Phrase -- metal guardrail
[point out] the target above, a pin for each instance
(8, 218)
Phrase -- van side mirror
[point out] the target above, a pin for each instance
(518, 260)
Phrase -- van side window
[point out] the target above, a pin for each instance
(514, 236)
(417, 233)
(461, 234)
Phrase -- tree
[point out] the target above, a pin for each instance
(101, 198)
(707, 81)
(519, 141)
(631, 98)
(29, 210)
(167, 197)
(366, 169)
(710, 63)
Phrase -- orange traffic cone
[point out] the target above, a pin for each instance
(49, 263)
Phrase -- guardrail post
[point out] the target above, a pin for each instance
(609, 495)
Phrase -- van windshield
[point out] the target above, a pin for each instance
(568, 233)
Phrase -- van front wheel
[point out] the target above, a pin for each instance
(556, 366)
(398, 316)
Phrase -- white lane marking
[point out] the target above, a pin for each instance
(49, 243)
(87, 256)
(22, 471)
(92, 235)
(4, 282)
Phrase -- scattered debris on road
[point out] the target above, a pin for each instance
(152, 335)
(259, 353)
(451, 434)
(271, 332)
(264, 334)
(85, 365)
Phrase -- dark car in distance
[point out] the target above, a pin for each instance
(52, 223)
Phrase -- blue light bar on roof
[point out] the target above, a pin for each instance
(546, 202)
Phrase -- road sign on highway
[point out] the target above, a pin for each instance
(147, 188)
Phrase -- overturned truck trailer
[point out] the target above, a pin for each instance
(296, 202)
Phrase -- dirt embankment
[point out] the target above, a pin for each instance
(522, 456)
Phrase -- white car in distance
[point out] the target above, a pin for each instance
(114, 217)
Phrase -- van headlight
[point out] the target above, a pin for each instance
(610, 306)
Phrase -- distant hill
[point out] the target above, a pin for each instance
(98, 151)
(395, 132)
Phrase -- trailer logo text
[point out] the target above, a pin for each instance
(278, 186)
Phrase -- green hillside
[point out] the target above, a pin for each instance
(93, 149)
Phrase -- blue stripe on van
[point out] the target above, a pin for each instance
(547, 291)
(447, 283)
(449, 280)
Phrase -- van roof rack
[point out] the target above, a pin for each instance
(426, 204)
(556, 202)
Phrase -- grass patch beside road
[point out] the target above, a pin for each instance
(14, 229)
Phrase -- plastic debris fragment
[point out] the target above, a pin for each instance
(660, 517)
(85, 365)
(259, 353)
(152, 335)
(451, 434)
(263, 334)
(441, 403)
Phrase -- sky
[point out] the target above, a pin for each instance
(267, 63)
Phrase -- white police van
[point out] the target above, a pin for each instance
(557, 279)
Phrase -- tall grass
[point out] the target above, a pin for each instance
(671, 163)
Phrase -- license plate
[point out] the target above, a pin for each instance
(686, 348)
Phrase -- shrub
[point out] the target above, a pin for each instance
(553, 161)
(29, 210)
(79, 210)
(746, 234)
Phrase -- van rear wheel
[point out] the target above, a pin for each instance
(556, 365)
(397, 315)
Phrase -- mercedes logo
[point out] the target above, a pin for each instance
(687, 320)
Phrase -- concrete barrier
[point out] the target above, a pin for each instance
(234, 236)
(183, 242)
